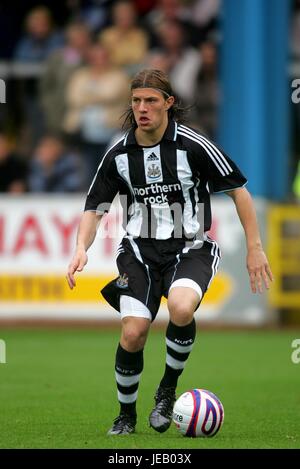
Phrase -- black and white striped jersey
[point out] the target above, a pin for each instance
(164, 186)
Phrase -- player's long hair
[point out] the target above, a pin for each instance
(158, 80)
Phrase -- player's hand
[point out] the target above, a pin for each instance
(76, 265)
(259, 270)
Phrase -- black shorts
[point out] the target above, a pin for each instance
(148, 268)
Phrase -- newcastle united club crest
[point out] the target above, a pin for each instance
(153, 171)
(122, 281)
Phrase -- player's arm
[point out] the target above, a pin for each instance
(257, 263)
(85, 236)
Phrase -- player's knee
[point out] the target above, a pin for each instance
(181, 312)
(134, 337)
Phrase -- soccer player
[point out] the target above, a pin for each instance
(160, 168)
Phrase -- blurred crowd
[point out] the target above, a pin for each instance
(69, 83)
(67, 68)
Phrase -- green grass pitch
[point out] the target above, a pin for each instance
(57, 389)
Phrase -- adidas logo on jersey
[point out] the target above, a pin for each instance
(152, 157)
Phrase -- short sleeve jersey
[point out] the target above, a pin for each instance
(164, 189)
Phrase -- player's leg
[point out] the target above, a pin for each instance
(180, 336)
(181, 331)
(128, 368)
(185, 286)
(136, 294)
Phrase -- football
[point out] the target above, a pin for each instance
(198, 413)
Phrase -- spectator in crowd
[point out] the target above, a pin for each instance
(54, 169)
(59, 67)
(12, 168)
(171, 10)
(126, 42)
(183, 60)
(40, 38)
(203, 14)
(96, 96)
(33, 49)
(204, 112)
(165, 10)
(94, 13)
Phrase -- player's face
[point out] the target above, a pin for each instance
(150, 109)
